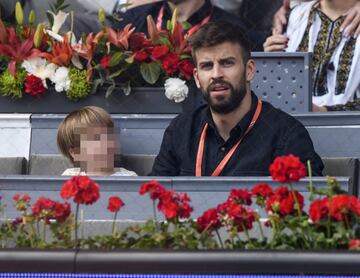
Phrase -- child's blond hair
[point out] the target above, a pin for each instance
(68, 136)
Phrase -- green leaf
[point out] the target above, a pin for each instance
(116, 59)
(150, 72)
(127, 88)
(185, 25)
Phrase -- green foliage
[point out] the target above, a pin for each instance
(150, 72)
(12, 86)
(79, 86)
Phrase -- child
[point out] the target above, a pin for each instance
(86, 137)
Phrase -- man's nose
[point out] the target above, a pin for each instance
(217, 72)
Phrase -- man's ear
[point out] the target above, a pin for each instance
(196, 77)
(250, 70)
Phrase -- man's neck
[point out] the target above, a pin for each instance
(335, 8)
(186, 8)
(226, 122)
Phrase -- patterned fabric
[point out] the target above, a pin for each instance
(346, 59)
(328, 39)
(336, 58)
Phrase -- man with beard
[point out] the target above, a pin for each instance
(235, 134)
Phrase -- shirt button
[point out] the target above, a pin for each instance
(222, 149)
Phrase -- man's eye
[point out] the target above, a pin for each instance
(206, 66)
(227, 63)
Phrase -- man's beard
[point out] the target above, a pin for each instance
(228, 103)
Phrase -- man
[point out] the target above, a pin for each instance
(235, 134)
(195, 12)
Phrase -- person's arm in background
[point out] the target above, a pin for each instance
(350, 26)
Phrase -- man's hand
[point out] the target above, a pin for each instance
(280, 18)
(316, 108)
(351, 24)
(276, 43)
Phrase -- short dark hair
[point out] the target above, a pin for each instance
(214, 33)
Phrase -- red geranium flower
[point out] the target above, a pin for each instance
(240, 196)
(159, 52)
(173, 205)
(283, 203)
(208, 221)
(186, 68)
(319, 210)
(115, 203)
(82, 188)
(343, 206)
(34, 86)
(242, 217)
(354, 244)
(153, 187)
(22, 197)
(262, 190)
(48, 209)
(287, 169)
(170, 63)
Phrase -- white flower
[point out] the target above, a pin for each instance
(59, 20)
(176, 89)
(61, 79)
(39, 67)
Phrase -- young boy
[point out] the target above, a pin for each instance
(86, 137)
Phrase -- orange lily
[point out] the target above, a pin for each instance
(61, 53)
(87, 51)
(121, 38)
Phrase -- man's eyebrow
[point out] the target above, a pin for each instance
(230, 58)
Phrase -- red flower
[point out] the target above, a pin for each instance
(240, 196)
(287, 169)
(208, 221)
(22, 197)
(153, 187)
(82, 188)
(48, 209)
(61, 211)
(343, 206)
(186, 68)
(159, 52)
(283, 202)
(170, 63)
(140, 56)
(173, 205)
(105, 62)
(243, 218)
(262, 190)
(138, 41)
(115, 203)
(354, 244)
(34, 86)
(319, 210)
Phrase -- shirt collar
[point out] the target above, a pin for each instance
(242, 125)
(196, 17)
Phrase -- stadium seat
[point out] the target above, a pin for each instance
(343, 166)
(12, 165)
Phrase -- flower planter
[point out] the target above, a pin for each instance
(140, 101)
(180, 262)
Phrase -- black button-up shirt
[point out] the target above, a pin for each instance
(137, 17)
(275, 133)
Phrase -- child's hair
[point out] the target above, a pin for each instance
(68, 135)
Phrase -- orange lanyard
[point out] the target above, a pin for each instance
(191, 30)
(227, 157)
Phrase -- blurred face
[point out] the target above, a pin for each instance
(98, 147)
(222, 76)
